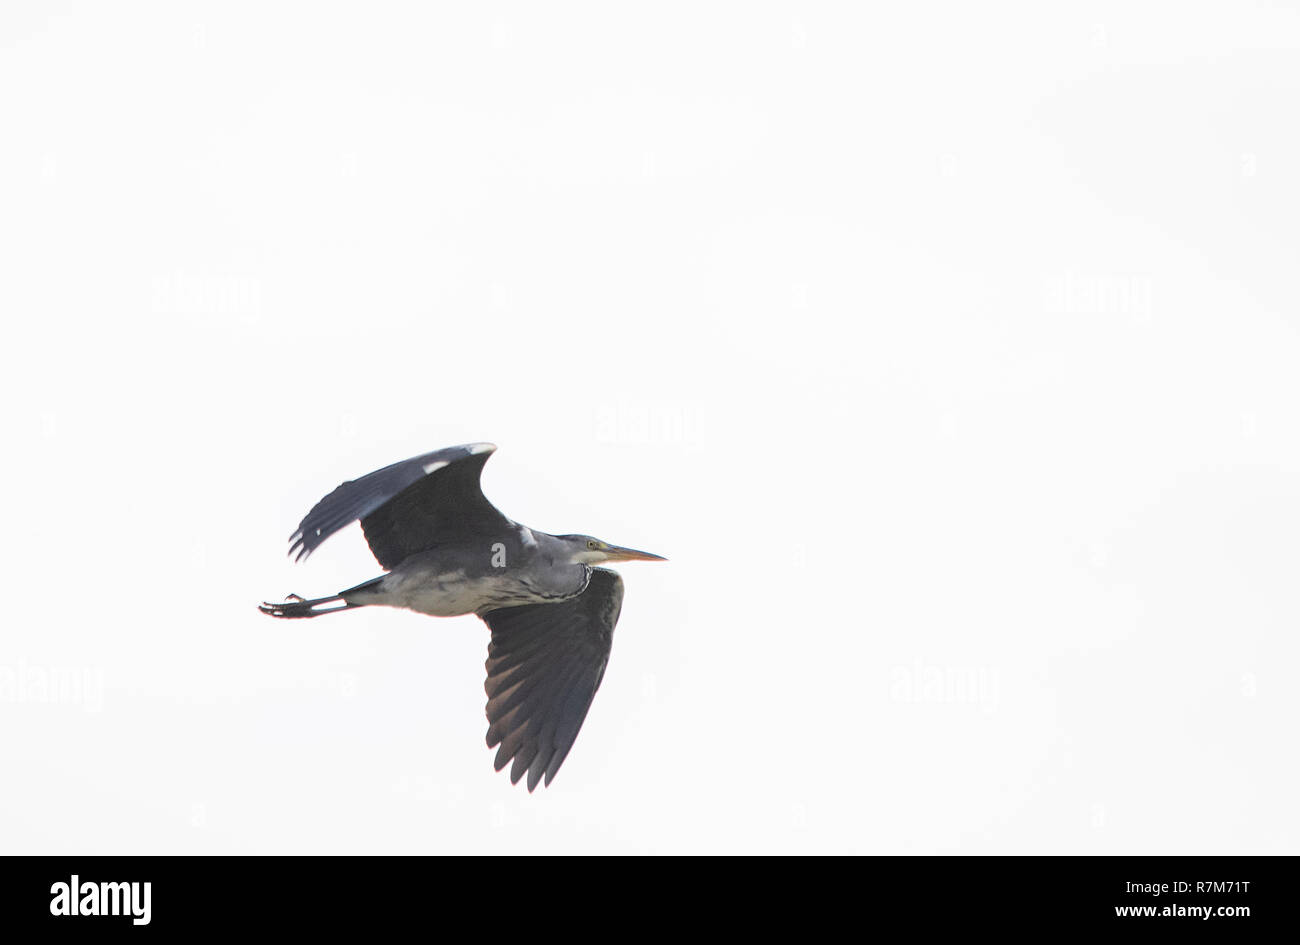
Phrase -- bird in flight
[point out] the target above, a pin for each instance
(447, 551)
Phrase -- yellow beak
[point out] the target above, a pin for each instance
(615, 553)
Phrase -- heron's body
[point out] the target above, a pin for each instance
(452, 581)
(448, 552)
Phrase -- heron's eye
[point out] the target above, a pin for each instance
(591, 545)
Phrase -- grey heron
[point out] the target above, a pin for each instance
(447, 552)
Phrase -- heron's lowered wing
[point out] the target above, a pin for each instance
(544, 665)
(408, 506)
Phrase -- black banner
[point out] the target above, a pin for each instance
(161, 895)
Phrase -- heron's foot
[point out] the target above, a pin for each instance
(291, 608)
(299, 606)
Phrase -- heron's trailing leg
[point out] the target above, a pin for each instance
(301, 607)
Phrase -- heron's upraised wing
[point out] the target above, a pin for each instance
(545, 663)
(408, 506)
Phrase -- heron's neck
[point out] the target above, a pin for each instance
(560, 551)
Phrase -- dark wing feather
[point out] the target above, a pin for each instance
(545, 663)
(408, 506)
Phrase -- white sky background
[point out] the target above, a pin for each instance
(949, 352)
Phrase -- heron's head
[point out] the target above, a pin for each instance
(588, 550)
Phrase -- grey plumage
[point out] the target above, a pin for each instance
(448, 551)
(545, 663)
(403, 507)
